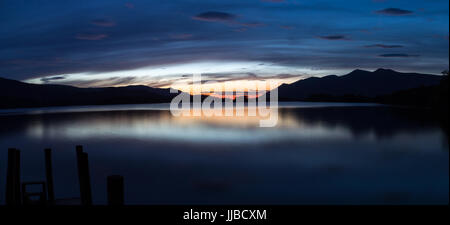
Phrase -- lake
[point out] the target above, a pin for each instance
(318, 153)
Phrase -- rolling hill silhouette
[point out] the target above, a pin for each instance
(359, 85)
(16, 94)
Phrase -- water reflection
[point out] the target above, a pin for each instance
(328, 154)
(293, 124)
(162, 125)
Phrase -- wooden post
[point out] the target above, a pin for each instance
(87, 178)
(84, 177)
(13, 195)
(9, 192)
(49, 175)
(115, 189)
(79, 150)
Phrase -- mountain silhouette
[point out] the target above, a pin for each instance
(357, 85)
(16, 94)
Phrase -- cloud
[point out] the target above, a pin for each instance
(241, 29)
(227, 77)
(129, 5)
(398, 55)
(91, 37)
(334, 37)
(162, 81)
(213, 16)
(103, 23)
(252, 24)
(394, 12)
(159, 84)
(181, 36)
(104, 82)
(48, 79)
(276, 1)
(383, 46)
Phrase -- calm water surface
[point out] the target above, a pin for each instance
(319, 153)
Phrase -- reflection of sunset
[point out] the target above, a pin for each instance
(241, 116)
(161, 124)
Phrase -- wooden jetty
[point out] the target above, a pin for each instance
(17, 193)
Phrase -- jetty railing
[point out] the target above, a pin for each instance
(16, 193)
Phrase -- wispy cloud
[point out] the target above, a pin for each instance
(252, 24)
(241, 29)
(181, 36)
(223, 17)
(226, 77)
(383, 46)
(334, 37)
(49, 79)
(104, 82)
(129, 5)
(394, 12)
(213, 16)
(272, 1)
(91, 37)
(397, 55)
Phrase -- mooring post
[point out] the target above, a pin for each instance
(84, 177)
(9, 192)
(115, 189)
(13, 195)
(49, 175)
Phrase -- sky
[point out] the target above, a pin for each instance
(100, 43)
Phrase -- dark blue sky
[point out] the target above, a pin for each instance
(109, 42)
